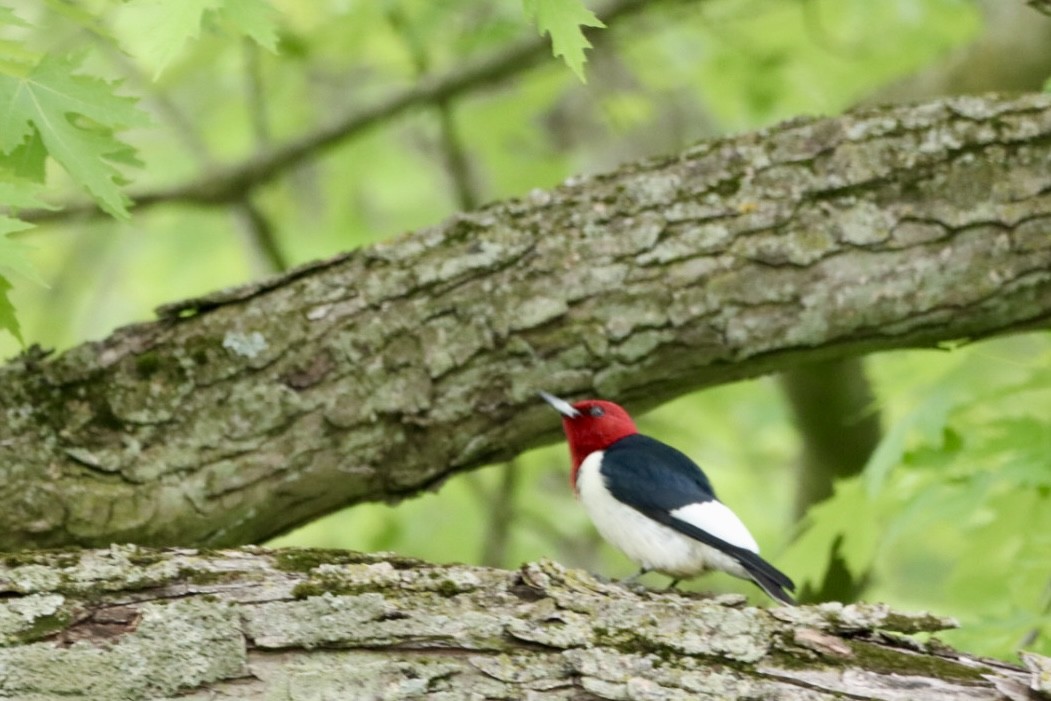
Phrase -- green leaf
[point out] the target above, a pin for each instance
(27, 161)
(562, 20)
(850, 517)
(8, 320)
(253, 18)
(155, 31)
(930, 415)
(13, 258)
(16, 193)
(9, 17)
(53, 104)
(15, 58)
(79, 15)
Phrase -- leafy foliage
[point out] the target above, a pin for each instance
(16, 192)
(74, 118)
(157, 31)
(562, 20)
(954, 510)
(52, 107)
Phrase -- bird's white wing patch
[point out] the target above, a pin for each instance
(717, 519)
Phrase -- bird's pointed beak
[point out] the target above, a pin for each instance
(561, 405)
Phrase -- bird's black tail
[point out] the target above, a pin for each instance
(770, 579)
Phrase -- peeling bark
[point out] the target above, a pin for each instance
(128, 623)
(383, 371)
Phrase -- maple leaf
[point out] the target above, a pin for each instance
(8, 320)
(12, 259)
(253, 18)
(562, 20)
(75, 117)
(156, 31)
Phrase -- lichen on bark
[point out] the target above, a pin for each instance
(284, 625)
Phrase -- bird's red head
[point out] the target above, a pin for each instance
(590, 425)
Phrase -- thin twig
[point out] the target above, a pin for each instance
(261, 234)
(231, 183)
(454, 153)
(456, 162)
(247, 215)
(255, 93)
(501, 517)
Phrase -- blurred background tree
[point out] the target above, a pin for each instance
(278, 133)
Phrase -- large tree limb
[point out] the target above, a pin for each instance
(382, 372)
(126, 624)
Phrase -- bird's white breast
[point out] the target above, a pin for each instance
(653, 545)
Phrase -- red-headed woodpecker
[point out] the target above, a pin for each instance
(654, 503)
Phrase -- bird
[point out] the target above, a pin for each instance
(654, 503)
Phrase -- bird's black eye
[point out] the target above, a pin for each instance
(596, 411)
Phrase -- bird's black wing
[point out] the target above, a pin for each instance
(654, 474)
(656, 479)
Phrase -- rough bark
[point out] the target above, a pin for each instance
(383, 371)
(127, 623)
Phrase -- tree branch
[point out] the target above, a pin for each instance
(232, 183)
(382, 372)
(251, 624)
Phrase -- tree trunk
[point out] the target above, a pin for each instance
(128, 623)
(383, 371)
(833, 407)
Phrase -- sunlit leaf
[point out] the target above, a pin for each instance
(19, 193)
(928, 417)
(155, 31)
(7, 16)
(562, 20)
(40, 105)
(8, 320)
(253, 18)
(13, 258)
(851, 517)
(27, 160)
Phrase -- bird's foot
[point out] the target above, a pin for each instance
(632, 582)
